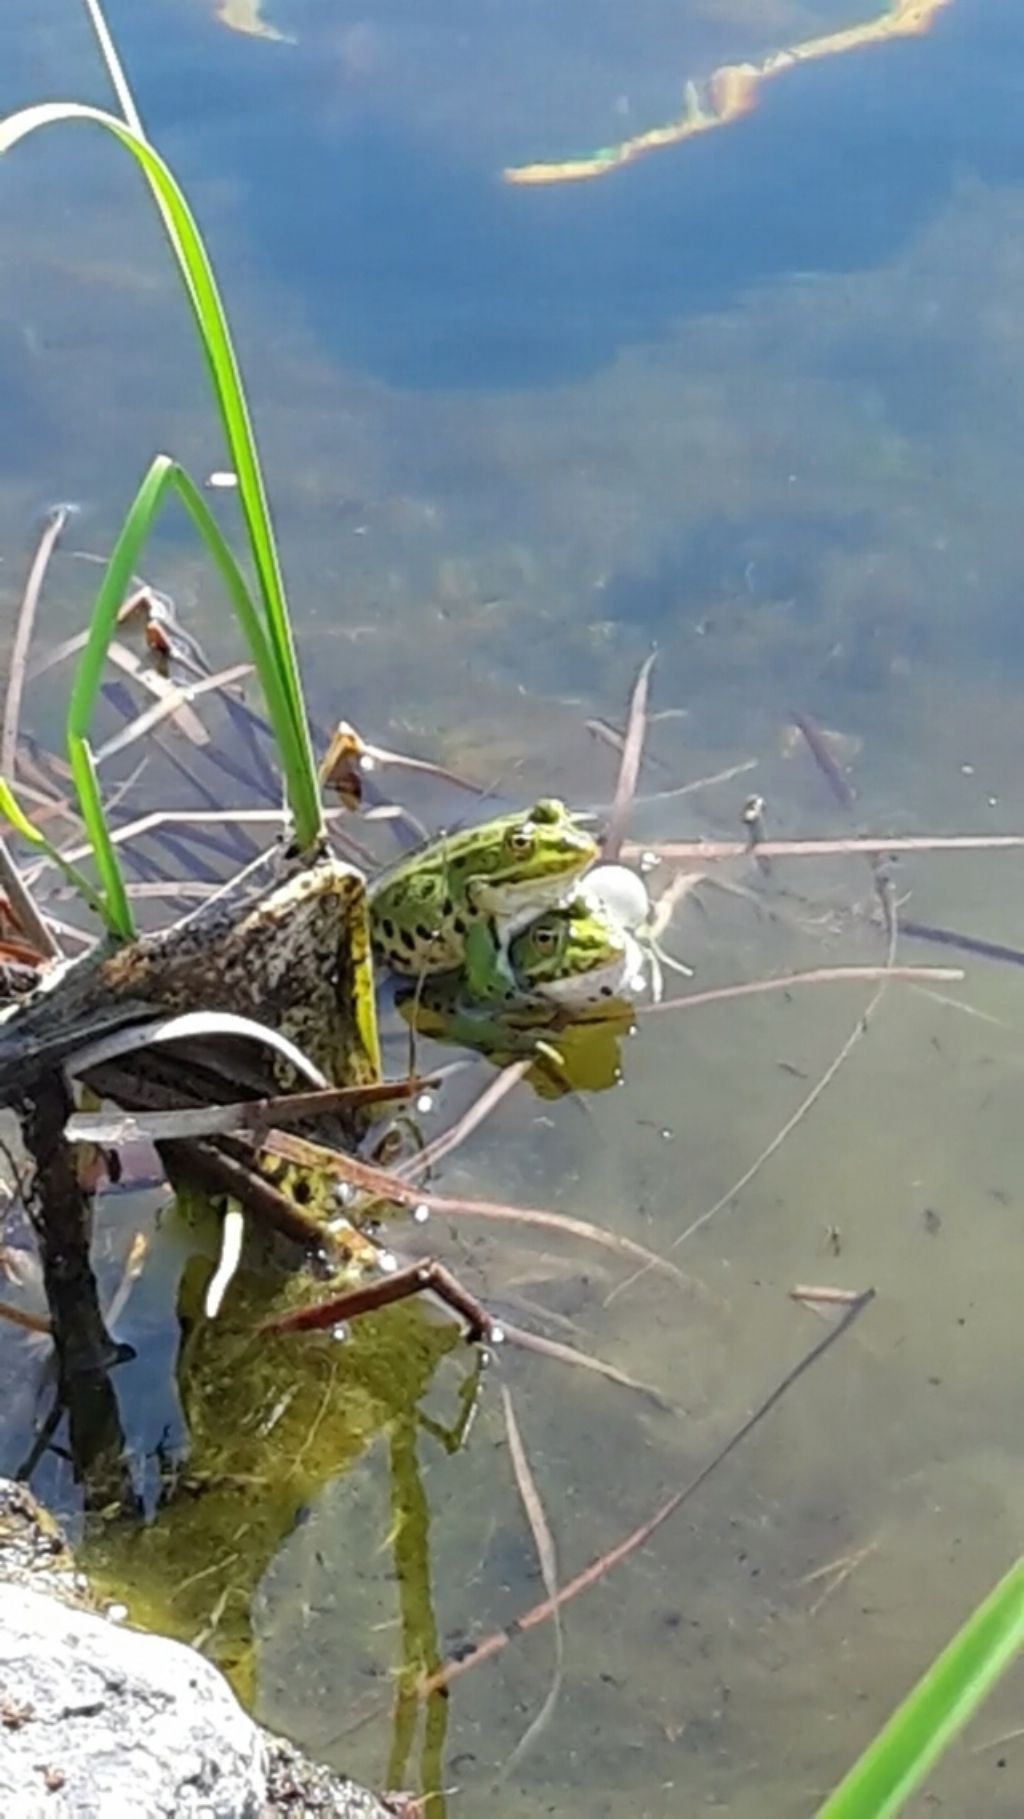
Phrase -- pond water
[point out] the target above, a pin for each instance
(755, 398)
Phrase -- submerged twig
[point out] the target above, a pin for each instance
(385, 1186)
(55, 523)
(188, 890)
(805, 1106)
(543, 1541)
(884, 975)
(429, 1277)
(171, 700)
(492, 1095)
(41, 791)
(29, 919)
(129, 1276)
(349, 755)
(699, 783)
(219, 1170)
(19, 1316)
(163, 688)
(835, 1574)
(844, 794)
(604, 730)
(570, 1354)
(197, 817)
(818, 975)
(255, 1116)
(702, 852)
(598, 1569)
(268, 858)
(629, 768)
(822, 1295)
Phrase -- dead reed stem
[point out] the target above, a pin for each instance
(544, 1542)
(385, 1186)
(598, 1569)
(28, 917)
(705, 852)
(629, 766)
(819, 975)
(884, 975)
(446, 1141)
(23, 639)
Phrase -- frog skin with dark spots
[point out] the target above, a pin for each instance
(465, 896)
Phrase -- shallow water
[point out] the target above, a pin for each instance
(756, 399)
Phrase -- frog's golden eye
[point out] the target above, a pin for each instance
(544, 937)
(520, 840)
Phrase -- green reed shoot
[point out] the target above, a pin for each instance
(164, 477)
(12, 811)
(908, 1746)
(266, 626)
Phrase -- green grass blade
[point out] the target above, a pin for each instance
(225, 377)
(86, 686)
(113, 905)
(12, 811)
(164, 476)
(905, 1750)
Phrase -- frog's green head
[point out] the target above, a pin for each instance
(573, 954)
(524, 859)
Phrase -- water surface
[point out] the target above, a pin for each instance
(756, 400)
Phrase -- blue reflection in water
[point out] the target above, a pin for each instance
(421, 266)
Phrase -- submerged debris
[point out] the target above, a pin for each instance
(298, 959)
(732, 91)
(114, 1720)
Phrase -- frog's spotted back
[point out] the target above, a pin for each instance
(423, 909)
(419, 922)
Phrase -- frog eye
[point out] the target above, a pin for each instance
(544, 937)
(520, 839)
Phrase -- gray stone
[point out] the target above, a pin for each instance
(100, 1721)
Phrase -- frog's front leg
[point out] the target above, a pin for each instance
(487, 970)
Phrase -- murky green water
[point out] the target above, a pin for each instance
(756, 399)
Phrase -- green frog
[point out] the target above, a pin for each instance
(569, 961)
(576, 970)
(575, 955)
(459, 902)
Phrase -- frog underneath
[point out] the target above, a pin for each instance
(575, 955)
(576, 971)
(567, 961)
